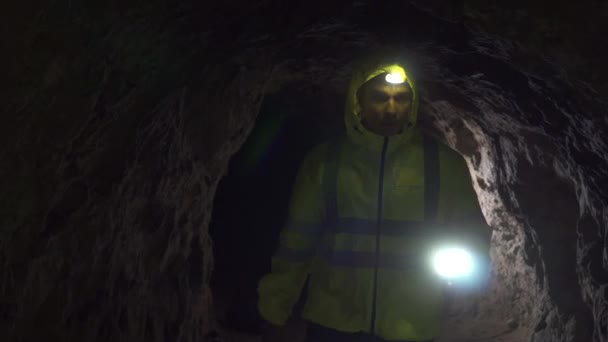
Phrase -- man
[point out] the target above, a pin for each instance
(365, 211)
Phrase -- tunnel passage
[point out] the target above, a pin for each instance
(112, 154)
(251, 203)
(528, 296)
(250, 206)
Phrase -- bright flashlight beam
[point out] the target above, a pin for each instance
(452, 263)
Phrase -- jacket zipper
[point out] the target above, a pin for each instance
(378, 231)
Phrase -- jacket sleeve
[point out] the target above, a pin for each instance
(280, 289)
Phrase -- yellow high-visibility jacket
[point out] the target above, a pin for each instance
(359, 228)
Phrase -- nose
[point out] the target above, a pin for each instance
(391, 107)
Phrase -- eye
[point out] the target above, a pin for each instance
(379, 97)
(403, 98)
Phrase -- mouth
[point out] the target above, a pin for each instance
(389, 123)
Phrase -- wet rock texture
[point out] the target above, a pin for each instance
(119, 123)
(535, 155)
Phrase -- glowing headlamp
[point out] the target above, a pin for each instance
(395, 78)
(453, 263)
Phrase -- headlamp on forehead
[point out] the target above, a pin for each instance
(394, 78)
(395, 75)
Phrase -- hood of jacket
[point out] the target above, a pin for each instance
(365, 71)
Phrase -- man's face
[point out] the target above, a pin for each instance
(385, 107)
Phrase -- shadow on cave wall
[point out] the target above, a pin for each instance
(251, 201)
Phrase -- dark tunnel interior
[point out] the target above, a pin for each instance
(251, 201)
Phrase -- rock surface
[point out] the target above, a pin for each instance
(120, 121)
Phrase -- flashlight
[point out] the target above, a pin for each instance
(453, 263)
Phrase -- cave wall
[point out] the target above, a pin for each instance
(114, 245)
(121, 120)
(257, 185)
(117, 136)
(537, 183)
